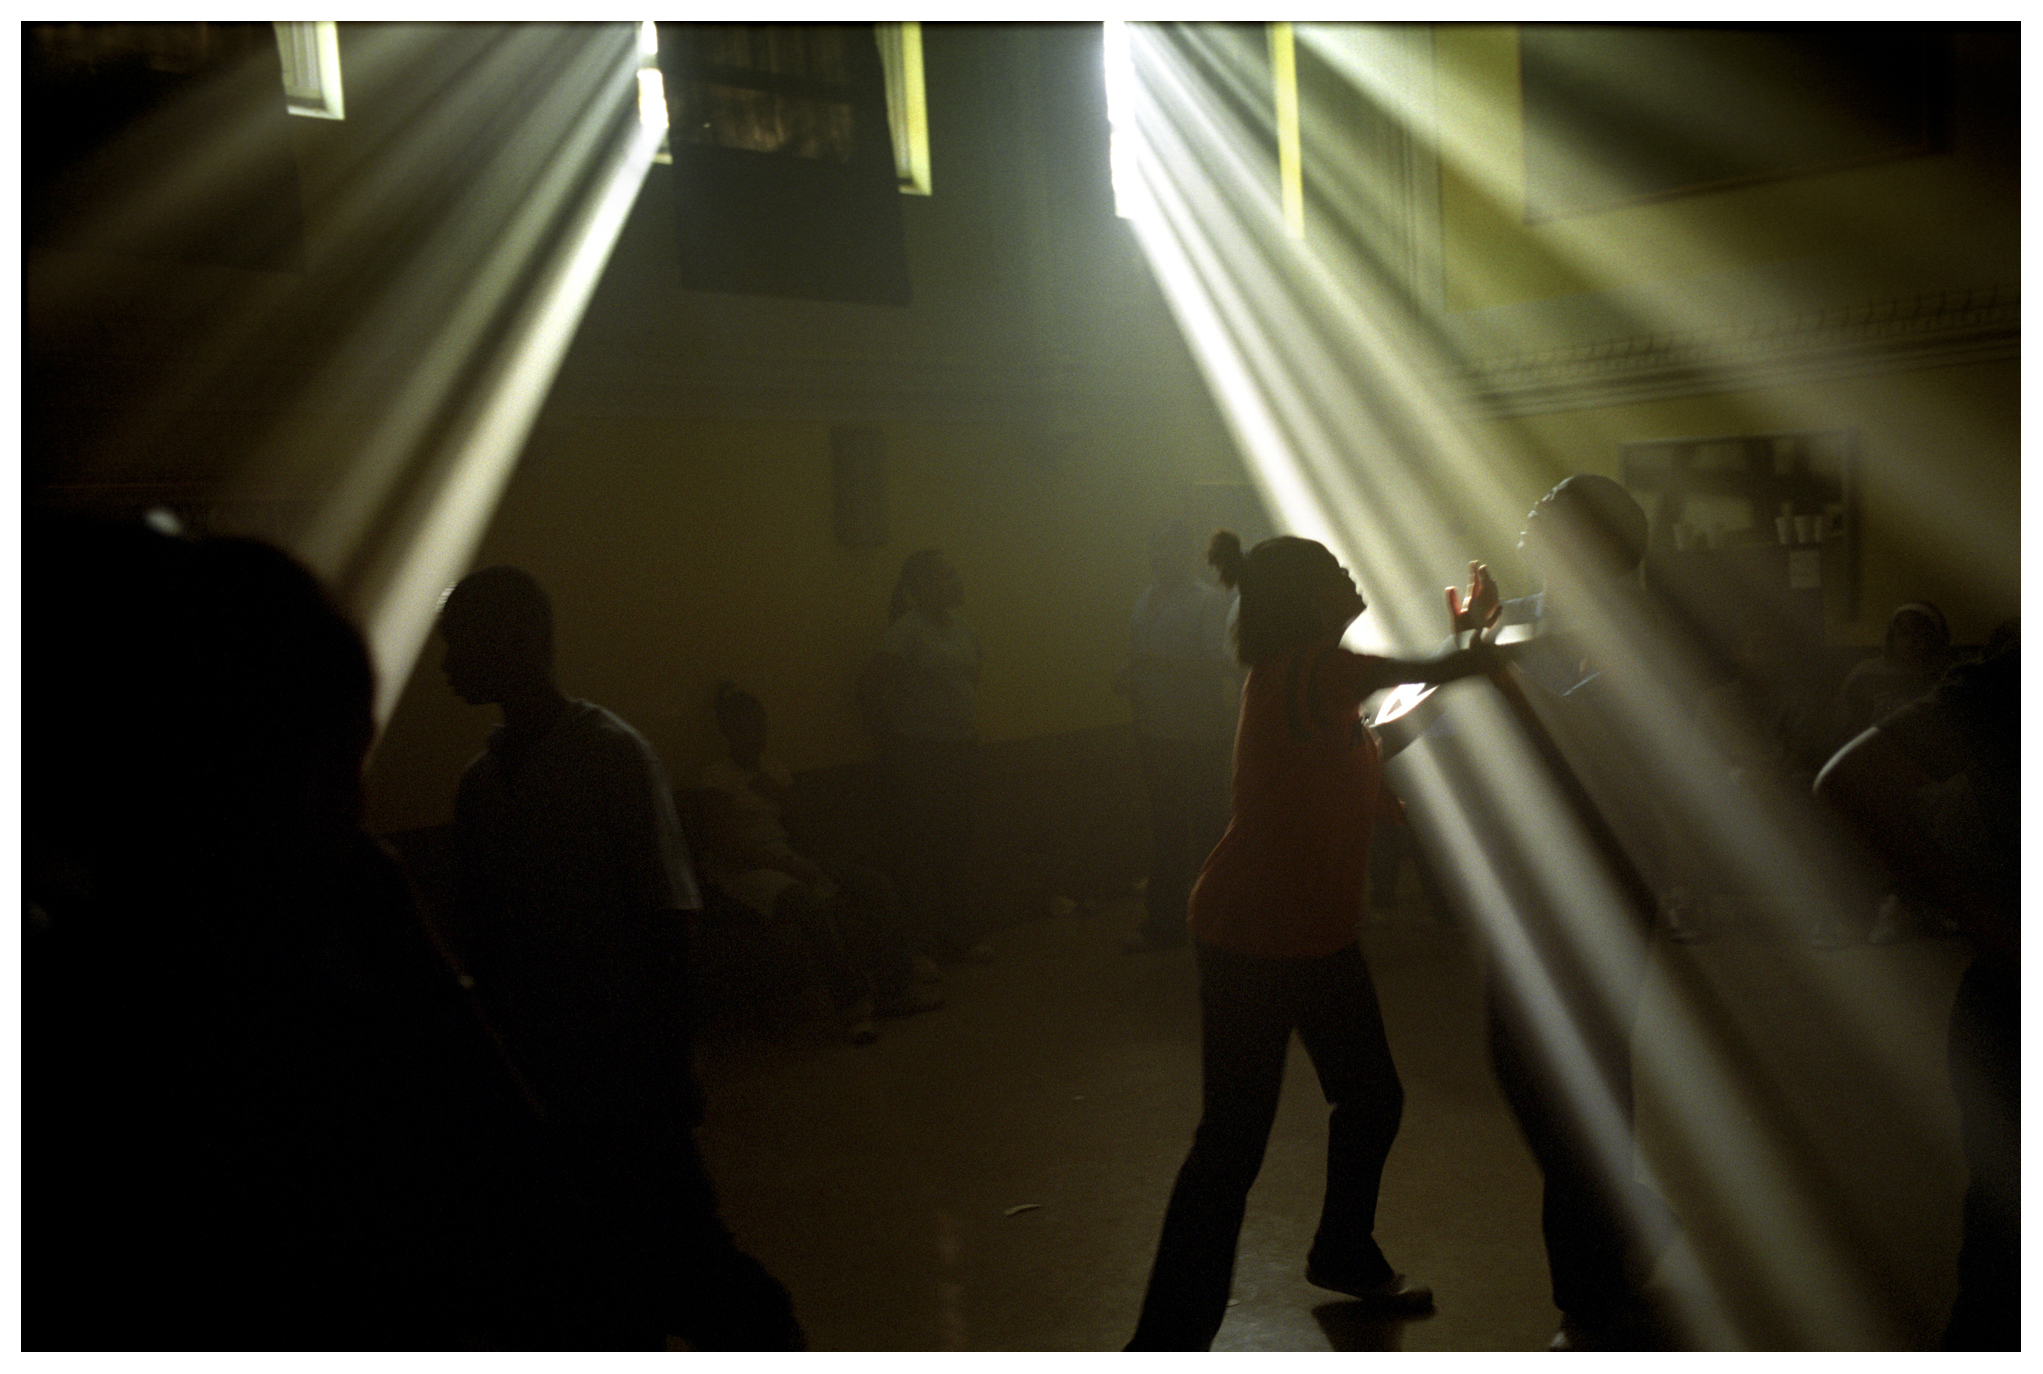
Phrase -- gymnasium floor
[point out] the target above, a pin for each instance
(991, 1176)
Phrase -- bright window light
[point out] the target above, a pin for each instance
(1121, 140)
(1290, 166)
(907, 110)
(310, 50)
(652, 88)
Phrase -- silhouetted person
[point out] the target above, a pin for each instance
(1965, 731)
(574, 881)
(1913, 656)
(1604, 1230)
(1184, 691)
(918, 696)
(260, 1112)
(1274, 914)
(848, 915)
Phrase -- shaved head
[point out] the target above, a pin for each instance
(498, 624)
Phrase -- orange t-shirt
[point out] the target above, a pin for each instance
(1286, 881)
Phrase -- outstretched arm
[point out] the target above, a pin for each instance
(1478, 615)
(1482, 657)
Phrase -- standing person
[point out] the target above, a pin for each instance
(918, 696)
(574, 880)
(1185, 692)
(260, 1110)
(1274, 913)
(1604, 1230)
(1914, 655)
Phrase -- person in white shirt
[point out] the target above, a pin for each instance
(1185, 691)
(918, 696)
(575, 879)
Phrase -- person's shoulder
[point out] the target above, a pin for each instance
(596, 730)
(1985, 687)
(481, 770)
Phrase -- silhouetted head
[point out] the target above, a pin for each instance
(1173, 553)
(1918, 636)
(1587, 526)
(498, 625)
(199, 705)
(1293, 592)
(929, 583)
(742, 718)
(2004, 636)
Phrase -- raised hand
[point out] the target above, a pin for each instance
(1483, 606)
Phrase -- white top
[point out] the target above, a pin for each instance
(942, 676)
(583, 830)
(1197, 695)
(756, 817)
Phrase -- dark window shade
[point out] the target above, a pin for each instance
(783, 165)
(1617, 114)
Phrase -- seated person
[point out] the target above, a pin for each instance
(849, 917)
(1916, 653)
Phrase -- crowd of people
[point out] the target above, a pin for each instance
(371, 1127)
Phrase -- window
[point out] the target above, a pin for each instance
(310, 50)
(779, 89)
(907, 112)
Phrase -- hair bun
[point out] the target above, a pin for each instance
(1223, 551)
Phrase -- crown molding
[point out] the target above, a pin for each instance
(1908, 333)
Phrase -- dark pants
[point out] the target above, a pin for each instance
(1187, 782)
(858, 939)
(934, 784)
(1986, 1079)
(1248, 1009)
(1603, 1229)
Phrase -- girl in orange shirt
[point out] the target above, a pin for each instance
(1274, 916)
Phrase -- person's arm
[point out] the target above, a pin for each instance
(733, 850)
(1476, 616)
(1482, 658)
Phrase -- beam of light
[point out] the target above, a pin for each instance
(485, 452)
(1341, 392)
(1677, 282)
(454, 228)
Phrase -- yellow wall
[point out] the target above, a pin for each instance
(1039, 413)
(1939, 445)
(679, 553)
